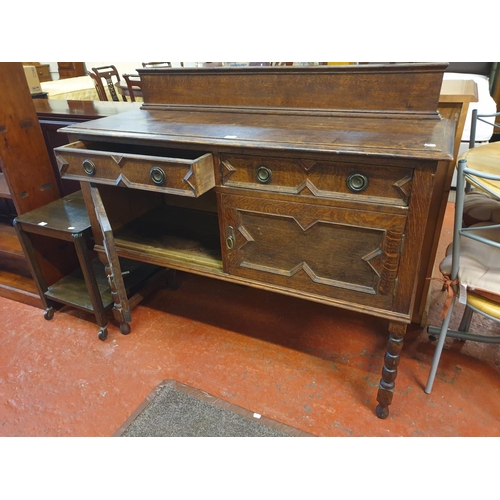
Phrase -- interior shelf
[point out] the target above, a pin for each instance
(174, 237)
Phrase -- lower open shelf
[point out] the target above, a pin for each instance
(72, 289)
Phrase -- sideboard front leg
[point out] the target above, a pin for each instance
(118, 312)
(397, 332)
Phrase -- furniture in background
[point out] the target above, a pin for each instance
(485, 75)
(42, 70)
(71, 69)
(105, 78)
(471, 267)
(327, 199)
(28, 179)
(134, 87)
(489, 119)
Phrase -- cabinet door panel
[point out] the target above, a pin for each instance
(325, 251)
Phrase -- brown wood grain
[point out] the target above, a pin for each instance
(304, 233)
(24, 158)
(297, 87)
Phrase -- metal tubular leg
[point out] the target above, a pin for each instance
(439, 349)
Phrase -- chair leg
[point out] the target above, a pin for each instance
(466, 320)
(439, 349)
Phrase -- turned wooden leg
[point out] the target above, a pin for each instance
(118, 312)
(397, 332)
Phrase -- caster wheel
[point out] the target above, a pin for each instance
(432, 337)
(124, 328)
(49, 313)
(103, 333)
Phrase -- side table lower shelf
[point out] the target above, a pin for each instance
(72, 289)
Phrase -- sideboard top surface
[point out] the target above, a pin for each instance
(388, 110)
(422, 138)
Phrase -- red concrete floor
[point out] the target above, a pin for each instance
(310, 366)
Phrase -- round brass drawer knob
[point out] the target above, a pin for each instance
(88, 167)
(264, 175)
(357, 182)
(158, 176)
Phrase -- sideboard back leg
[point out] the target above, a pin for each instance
(397, 332)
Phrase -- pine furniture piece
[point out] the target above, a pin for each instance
(313, 182)
(42, 70)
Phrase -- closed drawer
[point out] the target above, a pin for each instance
(44, 73)
(184, 173)
(318, 178)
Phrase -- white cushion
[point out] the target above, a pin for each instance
(479, 207)
(479, 267)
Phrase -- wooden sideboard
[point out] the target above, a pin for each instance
(313, 182)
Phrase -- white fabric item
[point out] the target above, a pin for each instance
(479, 267)
(485, 105)
(80, 88)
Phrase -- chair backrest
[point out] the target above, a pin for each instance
(104, 78)
(489, 119)
(134, 86)
(485, 233)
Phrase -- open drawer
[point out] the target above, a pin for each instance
(181, 172)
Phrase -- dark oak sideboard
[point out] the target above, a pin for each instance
(313, 182)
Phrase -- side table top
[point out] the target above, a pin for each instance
(67, 214)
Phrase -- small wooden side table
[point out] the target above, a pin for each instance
(87, 288)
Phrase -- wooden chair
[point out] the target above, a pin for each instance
(105, 78)
(134, 86)
(472, 266)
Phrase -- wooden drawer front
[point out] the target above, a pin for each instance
(120, 165)
(44, 73)
(322, 179)
(336, 253)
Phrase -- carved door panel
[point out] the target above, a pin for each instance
(335, 253)
(113, 269)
